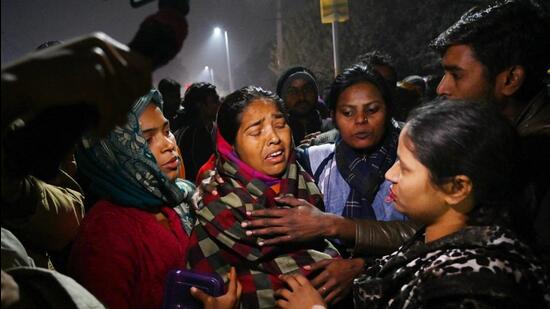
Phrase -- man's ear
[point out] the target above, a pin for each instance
(510, 80)
(457, 191)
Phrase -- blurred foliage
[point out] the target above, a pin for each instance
(402, 28)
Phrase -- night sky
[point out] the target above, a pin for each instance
(250, 24)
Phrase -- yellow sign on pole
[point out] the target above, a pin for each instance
(334, 11)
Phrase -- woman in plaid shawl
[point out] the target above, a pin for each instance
(255, 157)
(350, 174)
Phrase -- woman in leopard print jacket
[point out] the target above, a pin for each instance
(456, 174)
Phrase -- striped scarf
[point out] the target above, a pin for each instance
(365, 172)
(222, 242)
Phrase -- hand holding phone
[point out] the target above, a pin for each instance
(229, 300)
(188, 289)
(179, 282)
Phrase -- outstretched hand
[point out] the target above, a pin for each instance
(306, 141)
(210, 182)
(335, 280)
(94, 69)
(300, 222)
(299, 294)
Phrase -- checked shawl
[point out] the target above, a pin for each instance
(364, 172)
(222, 242)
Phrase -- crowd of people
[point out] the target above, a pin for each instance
(376, 193)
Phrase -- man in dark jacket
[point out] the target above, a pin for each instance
(298, 88)
(500, 54)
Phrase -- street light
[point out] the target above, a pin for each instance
(209, 73)
(218, 31)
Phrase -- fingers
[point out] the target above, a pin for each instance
(272, 212)
(321, 279)
(332, 296)
(239, 290)
(313, 134)
(329, 290)
(233, 282)
(319, 265)
(291, 201)
(200, 295)
(284, 293)
(302, 280)
(281, 303)
(211, 182)
(261, 223)
(268, 231)
(276, 240)
(292, 281)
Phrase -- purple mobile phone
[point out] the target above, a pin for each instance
(177, 292)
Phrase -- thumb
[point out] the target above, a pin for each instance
(200, 295)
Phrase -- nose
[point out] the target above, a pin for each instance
(392, 175)
(300, 94)
(168, 143)
(274, 138)
(444, 87)
(361, 118)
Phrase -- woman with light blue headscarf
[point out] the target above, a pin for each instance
(140, 228)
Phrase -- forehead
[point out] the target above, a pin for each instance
(259, 108)
(151, 110)
(405, 146)
(151, 115)
(298, 83)
(462, 56)
(360, 93)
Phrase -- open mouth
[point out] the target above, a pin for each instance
(275, 157)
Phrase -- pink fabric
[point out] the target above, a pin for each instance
(122, 255)
(227, 153)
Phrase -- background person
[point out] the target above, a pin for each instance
(498, 54)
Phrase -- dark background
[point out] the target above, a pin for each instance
(401, 27)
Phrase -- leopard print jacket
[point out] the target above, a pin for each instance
(476, 267)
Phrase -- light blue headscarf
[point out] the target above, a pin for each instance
(122, 169)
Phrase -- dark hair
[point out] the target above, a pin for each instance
(196, 95)
(379, 58)
(171, 96)
(453, 138)
(228, 119)
(286, 75)
(506, 33)
(169, 85)
(356, 74)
